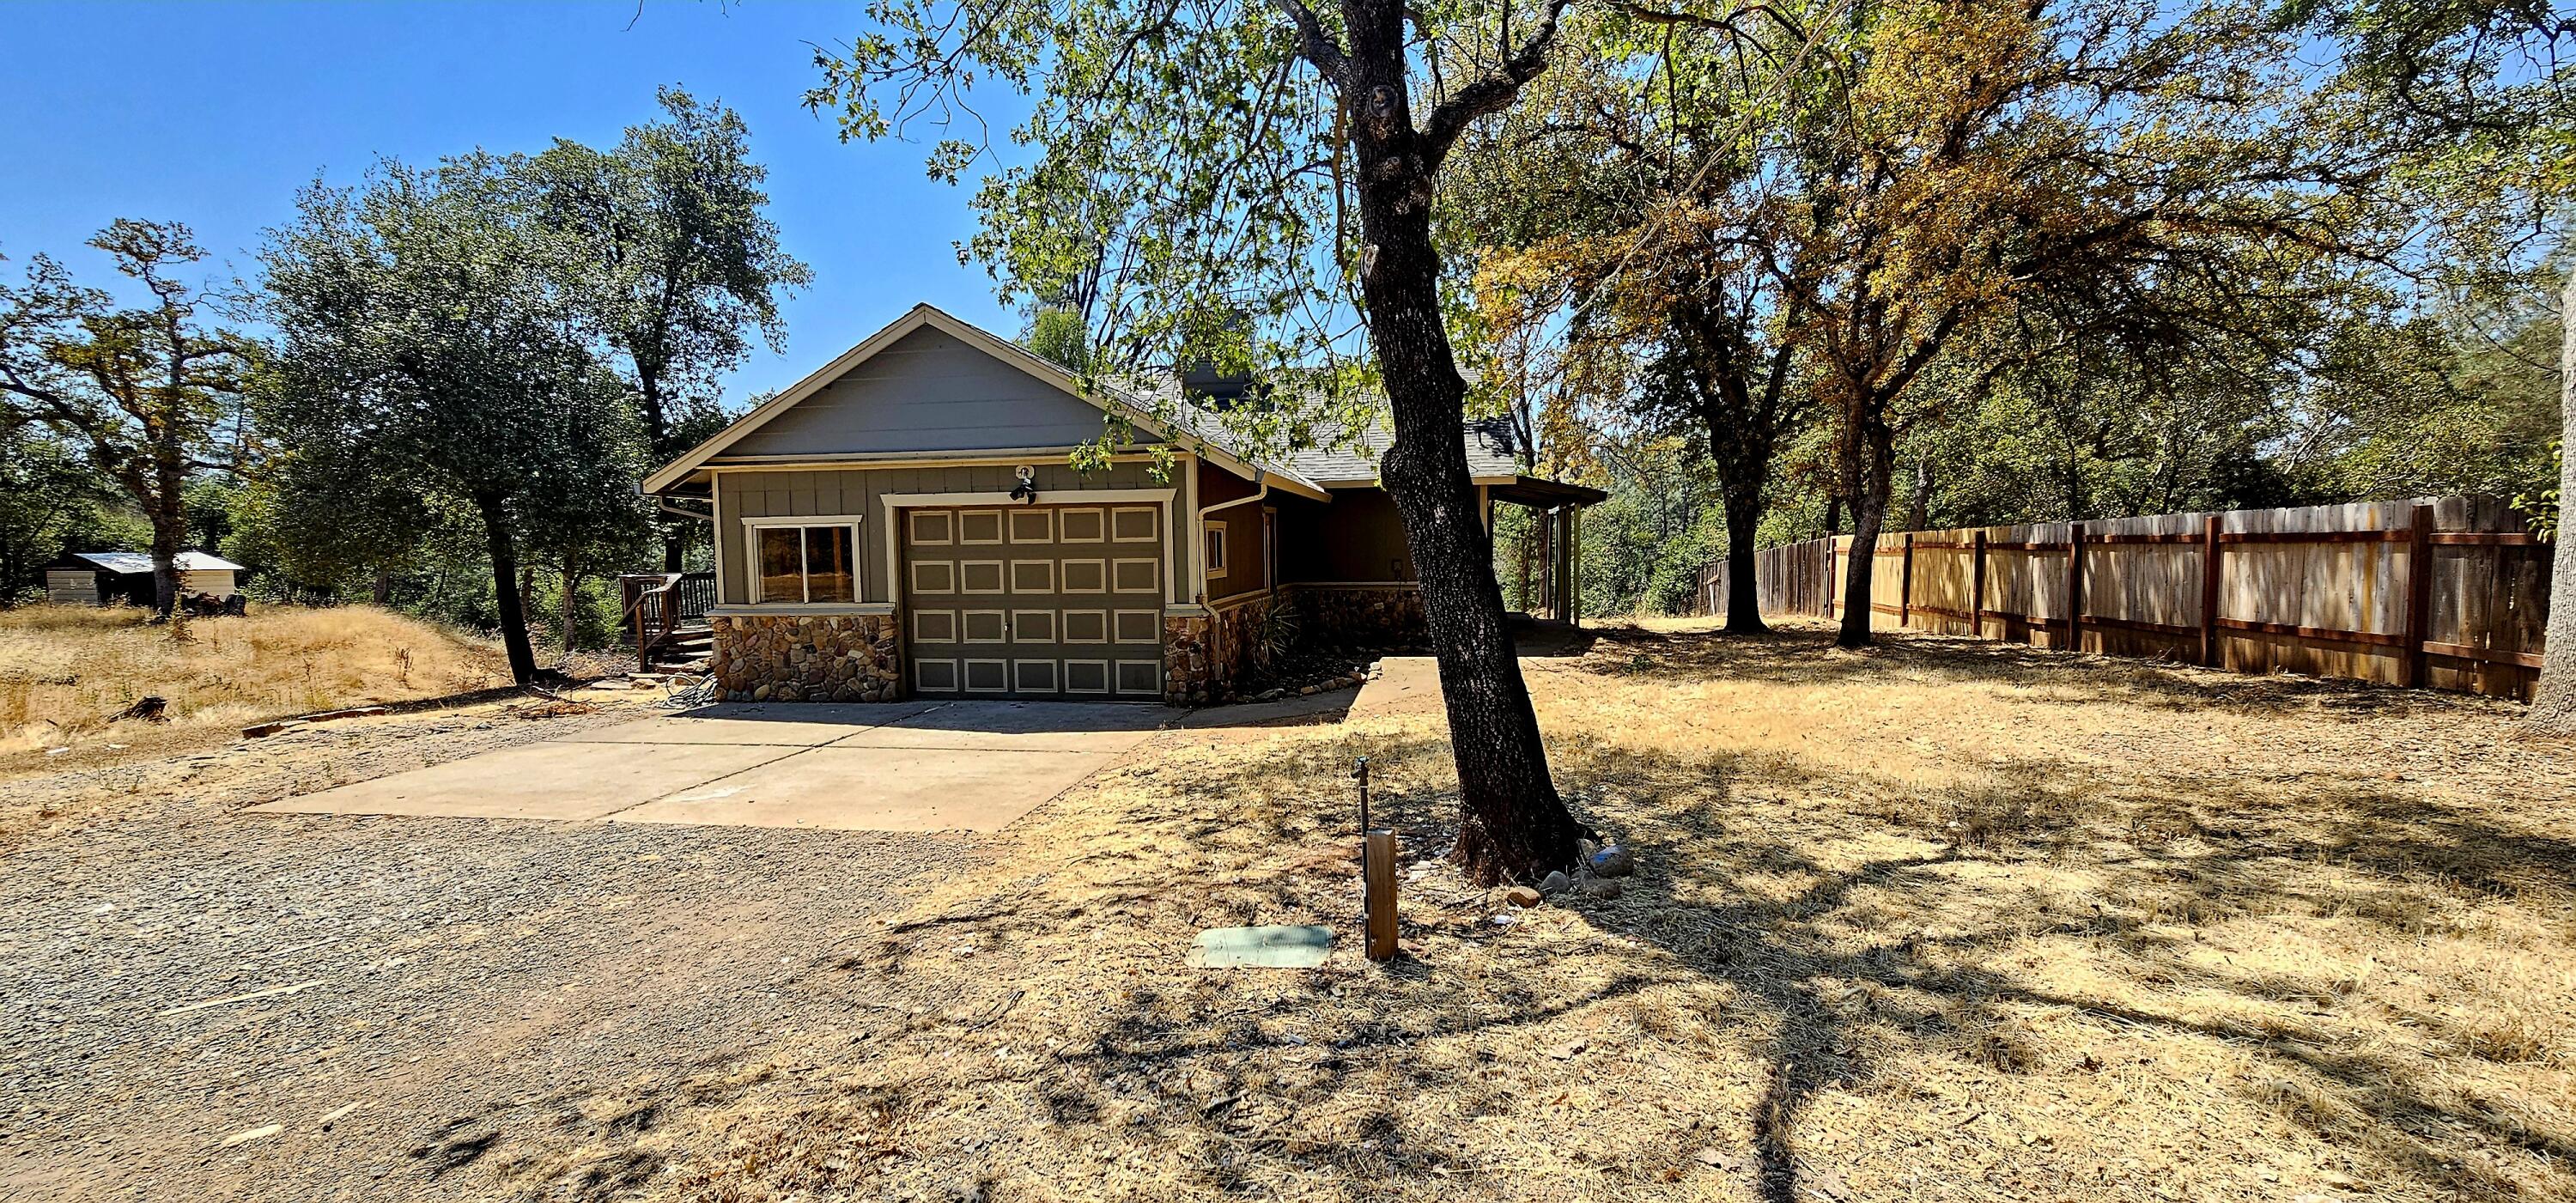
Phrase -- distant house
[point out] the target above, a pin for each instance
(107, 578)
(904, 523)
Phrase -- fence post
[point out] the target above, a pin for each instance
(2209, 562)
(2419, 591)
(2075, 586)
(1905, 587)
(1977, 588)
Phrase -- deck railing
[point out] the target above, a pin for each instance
(658, 604)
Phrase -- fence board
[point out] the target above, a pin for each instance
(2321, 590)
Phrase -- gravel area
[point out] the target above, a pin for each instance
(201, 1004)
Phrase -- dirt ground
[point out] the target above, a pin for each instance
(67, 672)
(1942, 920)
(1939, 920)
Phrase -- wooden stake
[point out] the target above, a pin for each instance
(2209, 562)
(2419, 592)
(1977, 589)
(2075, 586)
(1381, 895)
(1905, 586)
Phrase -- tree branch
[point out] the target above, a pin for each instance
(1491, 93)
(1315, 43)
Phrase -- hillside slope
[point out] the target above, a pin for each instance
(65, 671)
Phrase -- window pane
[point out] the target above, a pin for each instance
(827, 565)
(781, 568)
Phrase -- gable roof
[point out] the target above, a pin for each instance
(1489, 455)
(127, 562)
(1198, 430)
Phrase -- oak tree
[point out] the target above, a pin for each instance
(435, 359)
(147, 392)
(1256, 181)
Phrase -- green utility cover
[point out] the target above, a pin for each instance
(1299, 947)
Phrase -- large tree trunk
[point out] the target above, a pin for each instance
(1869, 469)
(168, 512)
(2553, 709)
(571, 591)
(169, 538)
(1743, 593)
(1513, 823)
(505, 592)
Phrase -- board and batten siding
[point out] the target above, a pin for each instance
(829, 492)
(927, 392)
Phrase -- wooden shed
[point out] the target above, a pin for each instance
(108, 578)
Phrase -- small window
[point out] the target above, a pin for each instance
(1216, 549)
(806, 564)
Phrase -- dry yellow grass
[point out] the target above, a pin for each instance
(1941, 920)
(65, 671)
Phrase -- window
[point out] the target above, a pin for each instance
(1216, 549)
(799, 564)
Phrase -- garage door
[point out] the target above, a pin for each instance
(1040, 601)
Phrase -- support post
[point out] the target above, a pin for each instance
(2075, 586)
(1905, 586)
(1381, 895)
(1575, 568)
(1977, 586)
(2419, 591)
(2209, 578)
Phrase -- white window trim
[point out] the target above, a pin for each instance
(751, 528)
(1215, 563)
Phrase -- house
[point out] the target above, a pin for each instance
(107, 578)
(905, 523)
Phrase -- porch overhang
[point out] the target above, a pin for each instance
(1540, 494)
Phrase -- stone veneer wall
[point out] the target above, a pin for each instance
(808, 658)
(1362, 616)
(1189, 659)
(1238, 642)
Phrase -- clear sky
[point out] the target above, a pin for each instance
(214, 114)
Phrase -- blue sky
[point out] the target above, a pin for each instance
(215, 113)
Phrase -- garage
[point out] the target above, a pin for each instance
(1033, 601)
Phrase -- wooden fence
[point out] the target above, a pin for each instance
(2450, 593)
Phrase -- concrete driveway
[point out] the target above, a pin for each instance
(922, 766)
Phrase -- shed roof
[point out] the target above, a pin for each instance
(126, 562)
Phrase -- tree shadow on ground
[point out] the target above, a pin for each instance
(1827, 926)
(2228, 857)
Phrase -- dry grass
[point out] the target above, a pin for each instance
(66, 671)
(1941, 920)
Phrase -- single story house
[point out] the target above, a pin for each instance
(905, 522)
(107, 578)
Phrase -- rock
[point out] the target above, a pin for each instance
(1521, 896)
(1611, 861)
(1597, 887)
(1554, 883)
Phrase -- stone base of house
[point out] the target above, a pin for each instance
(808, 658)
(1189, 660)
(1206, 657)
(1369, 616)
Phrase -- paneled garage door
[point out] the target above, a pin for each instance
(1040, 601)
